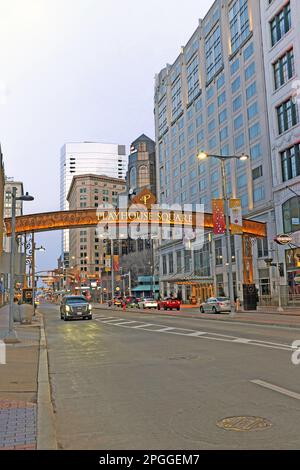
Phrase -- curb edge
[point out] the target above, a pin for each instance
(46, 434)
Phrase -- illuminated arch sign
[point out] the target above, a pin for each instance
(61, 220)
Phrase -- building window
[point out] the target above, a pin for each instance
(250, 71)
(221, 81)
(193, 79)
(291, 215)
(132, 178)
(262, 247)
(281, 24)
(239, 141)
(213, 53)
(143, 176)
(284, 69)
(287, 115)
(223, 116)
(248, 51)
(210, 109)
(239, 23)
(290, 162)
(171, 264)
(252, 111)
(187, 261)
(257, 172)
(254, 131)
(222, 98)
(235, 66)
(179, 261)
(242, 181)
(176, 99)
(238, 122)
(237, 103)
(255, 151)
(164, 263)
(235, 86)
(162, 115)
(259, 194)
(251, 91)
(202, 261)
(211, 125)
(223, 133)
(218, 252)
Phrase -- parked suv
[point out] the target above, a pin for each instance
(75, 307)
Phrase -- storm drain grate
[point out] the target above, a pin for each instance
(244, 423)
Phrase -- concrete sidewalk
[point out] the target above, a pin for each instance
(18, 387)
(286, 318)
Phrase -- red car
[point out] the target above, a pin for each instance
(169, 303)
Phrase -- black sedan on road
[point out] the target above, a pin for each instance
(75, 307)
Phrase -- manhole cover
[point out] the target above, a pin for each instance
(244, 423)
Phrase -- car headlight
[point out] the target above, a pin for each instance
(90, 307)
(68, 308)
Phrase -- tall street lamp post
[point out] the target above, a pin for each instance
(11, 336)
(223, 159)
(34, 249)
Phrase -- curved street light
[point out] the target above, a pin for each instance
(223, 158)
(11, 336)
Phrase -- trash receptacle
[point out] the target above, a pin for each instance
(250, 297)
(17, 312)
(26, 313)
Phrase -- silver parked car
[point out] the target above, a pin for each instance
(75, 307)
(215, 305)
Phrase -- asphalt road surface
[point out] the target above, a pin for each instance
(127, 380)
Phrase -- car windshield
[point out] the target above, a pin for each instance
(149, 300)
(76, 300)
(222, 299)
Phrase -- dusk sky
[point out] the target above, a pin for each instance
(80, 70)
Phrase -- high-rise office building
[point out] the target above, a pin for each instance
(88, 192)
(84, 158)
(214, 98)
(280, 22)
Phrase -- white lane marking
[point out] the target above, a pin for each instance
(241, 340)
(144, 325)
(197, 333)
(167, 328)
(270, 343)
(275, 388)
(111, 320)
(104, 318)
(192, 333)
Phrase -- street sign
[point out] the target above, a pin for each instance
(283, 239)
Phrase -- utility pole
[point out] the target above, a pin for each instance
(12, 336)
(228, 241)
(112, 269)
(33, 273)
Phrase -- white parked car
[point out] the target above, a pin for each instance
(215, 305)
(148, 303)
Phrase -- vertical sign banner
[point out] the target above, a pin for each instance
(107, 263)
(219, 222)
(236, 216)
(116, 264)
